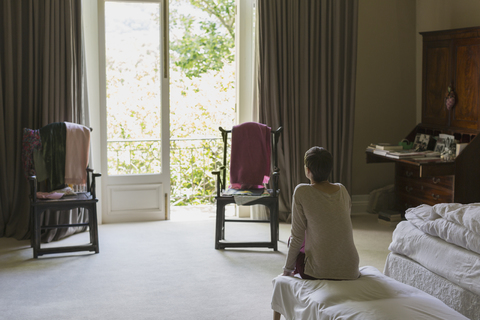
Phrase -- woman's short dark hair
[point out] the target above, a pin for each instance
(320, 163)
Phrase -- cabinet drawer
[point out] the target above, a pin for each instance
(444, 183)
(403, 170)
(419, 194)
(440, 182)
(425, 170)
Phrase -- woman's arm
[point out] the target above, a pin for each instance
(299, 225)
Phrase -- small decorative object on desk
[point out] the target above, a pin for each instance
(448, 154)
(407, 145)
(450, 98)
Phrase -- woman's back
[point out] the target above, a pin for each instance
(329, 247)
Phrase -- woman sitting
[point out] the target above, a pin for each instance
(321, 223)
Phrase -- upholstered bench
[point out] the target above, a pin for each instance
(372, 296)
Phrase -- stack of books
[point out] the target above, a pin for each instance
(389, 217)
(397, 152)
(406, 154)
(389, 147)
(384, 147)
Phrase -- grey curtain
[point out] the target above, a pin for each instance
(306, 83)
(41, 81)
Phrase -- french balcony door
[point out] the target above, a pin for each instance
(135, 112)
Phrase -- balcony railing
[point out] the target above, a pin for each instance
(133, 156)
(192, 161)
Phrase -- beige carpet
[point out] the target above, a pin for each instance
(158, 270)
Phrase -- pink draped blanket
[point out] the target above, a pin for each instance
(250, 157)
(76, 153)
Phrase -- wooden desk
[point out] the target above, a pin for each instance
(417, 183)
(436, 182)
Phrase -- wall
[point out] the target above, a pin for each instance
(385, 108)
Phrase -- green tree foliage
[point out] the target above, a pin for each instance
(206, 44)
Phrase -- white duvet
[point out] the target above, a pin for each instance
(453, 222)
(372, 296)
(454, 263)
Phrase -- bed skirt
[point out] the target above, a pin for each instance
(408, 271)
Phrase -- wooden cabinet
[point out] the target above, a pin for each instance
(436, 79)
(450, 58)
(466, 75)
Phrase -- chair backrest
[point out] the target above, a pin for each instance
(58, 154)
(273, 136)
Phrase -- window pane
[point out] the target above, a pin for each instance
(132, 42)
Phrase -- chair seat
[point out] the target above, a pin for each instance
(247, 192)
(66, 201)
(63, 205)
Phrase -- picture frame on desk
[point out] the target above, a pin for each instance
(445, 141)
(440, 145)
(421, 142)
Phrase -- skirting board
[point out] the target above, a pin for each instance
(360, 203)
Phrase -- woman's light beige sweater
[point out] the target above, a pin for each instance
(324, 219)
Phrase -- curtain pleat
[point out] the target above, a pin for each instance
(306, 83)
(41, 81)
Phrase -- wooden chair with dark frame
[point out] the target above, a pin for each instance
(86, 199)
(224, 197)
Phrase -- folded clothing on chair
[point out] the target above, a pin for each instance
(76, 153)
(53, 138)
(250, 156)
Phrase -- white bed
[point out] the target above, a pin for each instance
(372, 296)
(437, 251)
(414, 274)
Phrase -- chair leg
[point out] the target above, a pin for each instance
(36, 232)
(218, 226)
(222, 235)
(273, 226)
(93, 226)
(90, 225)
(276, 225)
(32, 228)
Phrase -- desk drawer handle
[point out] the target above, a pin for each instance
(435, 196)
(436, 180)
(408, 189)
(409, 173)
